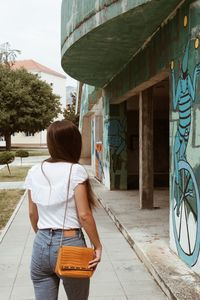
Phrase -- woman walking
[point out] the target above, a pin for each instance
(47, 192)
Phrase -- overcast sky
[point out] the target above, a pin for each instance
(33, 26)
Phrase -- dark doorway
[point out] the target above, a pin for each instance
(161, 133)
(161, 137)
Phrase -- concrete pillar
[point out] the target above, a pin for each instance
(146, 149)
(86, 139)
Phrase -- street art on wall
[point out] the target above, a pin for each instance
(99, 161)
(116, 141)
(185, 191)
(115, 145)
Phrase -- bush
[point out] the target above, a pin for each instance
(6, 157)
(21, 154)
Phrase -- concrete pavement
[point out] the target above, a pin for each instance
(27, 161)
(12, 185)
(147, 231)
(120, 275)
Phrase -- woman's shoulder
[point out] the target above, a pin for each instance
(79, 168)
(79, 172)
(34, 168)
(30, 175)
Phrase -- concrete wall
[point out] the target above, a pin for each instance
(58, 85)
(97, 140)
(99, 37)
(184, 139)
(90, 124)
(115, 145)
(172, 52)
(39, 138)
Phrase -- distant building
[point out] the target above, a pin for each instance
(70, 90)
(58, 83)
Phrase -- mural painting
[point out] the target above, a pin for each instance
(117, 142)
(99, 161)
(114, 145)
(185, 191)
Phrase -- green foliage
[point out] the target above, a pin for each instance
(6, 157)
(70, 112)
(21, 153)
(26, 103)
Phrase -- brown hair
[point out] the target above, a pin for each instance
(64, 144)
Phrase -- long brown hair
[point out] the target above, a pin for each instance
(64, 143)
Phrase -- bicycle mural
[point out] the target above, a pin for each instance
(185, 191)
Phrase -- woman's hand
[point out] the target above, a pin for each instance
(93, 263)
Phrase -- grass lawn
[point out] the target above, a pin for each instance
(32, 152)
(17, 173)
(8, 202)
(38, 152)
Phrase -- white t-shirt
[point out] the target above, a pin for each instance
(51, 201)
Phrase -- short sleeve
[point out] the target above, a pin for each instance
(28, 180)
(79, 175)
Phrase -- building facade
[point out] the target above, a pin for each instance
(58, 83)
(139, 99)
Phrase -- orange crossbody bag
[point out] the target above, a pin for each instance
(73, 261)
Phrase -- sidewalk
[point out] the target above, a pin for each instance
(147, 231)
(12, 185)
(120, 275)
(27, 161)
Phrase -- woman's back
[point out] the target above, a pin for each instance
(48, 184)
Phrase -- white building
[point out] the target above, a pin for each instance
(58, 83)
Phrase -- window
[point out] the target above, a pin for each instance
(29, 134)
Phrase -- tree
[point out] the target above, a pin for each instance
(21, 154)
(8, 55)
(26, 103)
(6, 158)
(70, 111)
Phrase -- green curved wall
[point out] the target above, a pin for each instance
(98, 38)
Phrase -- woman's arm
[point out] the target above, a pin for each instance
(87, 221)
(33, 212)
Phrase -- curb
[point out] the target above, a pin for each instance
(8, 224)
(139, 252)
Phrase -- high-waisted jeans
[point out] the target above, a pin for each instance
(45, 281)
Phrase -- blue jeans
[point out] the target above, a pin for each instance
(45, 281)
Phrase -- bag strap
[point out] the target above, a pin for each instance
(68, 186)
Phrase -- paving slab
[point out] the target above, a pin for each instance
(120, 275)
(27, 161)
(12, 185)
(147, 231)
